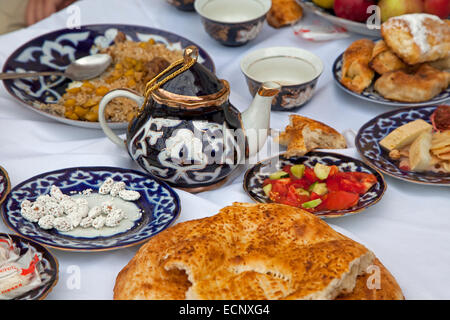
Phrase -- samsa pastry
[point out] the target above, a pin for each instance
(284, 13)
(418, 37)
(441, 64)
(303, 135)
(384, 59)
(413, 85)
(356, 73)
(252, 251)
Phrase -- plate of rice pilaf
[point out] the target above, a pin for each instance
(139, 53)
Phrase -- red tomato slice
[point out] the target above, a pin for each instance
(333, 170)
(314, 196)
(280, 186)
(341, 200)
(333, 183)
(300, 183)
(287, 168)
(310, 175)
(360, 182)
(352, 186)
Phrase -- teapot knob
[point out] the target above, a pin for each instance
(190, 53)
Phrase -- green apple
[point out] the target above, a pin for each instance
(393, 8)
(327, 4)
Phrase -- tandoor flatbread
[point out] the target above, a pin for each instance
(246, 251)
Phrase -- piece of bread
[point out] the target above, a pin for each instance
(405, 134)
(418, 37)
(246, 251)
(303, 135)
(417, 85)
(384, 59)
(284, 13)
(377, 284)
(356, 73)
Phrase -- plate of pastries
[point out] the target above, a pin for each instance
(409, 66)
(412, 144)
(256, 252)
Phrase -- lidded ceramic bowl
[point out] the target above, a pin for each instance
(184, 5)
(296, 70)
(233, 22)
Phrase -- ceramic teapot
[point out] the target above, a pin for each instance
(187, 133)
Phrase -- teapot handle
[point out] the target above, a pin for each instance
(101, 112)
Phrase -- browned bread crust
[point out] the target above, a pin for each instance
(284, 13)
(418, 85)
(303, 135)
(388, 286)
(246, 251)
(417, 38)
(384, 59)
(356, 73)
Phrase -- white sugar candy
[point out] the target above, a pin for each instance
(116, 188)
(62, 224)
(105, 188)
(107, 207)
(56, 193)
(99, 222)
(113, 219)
(94, 212)
(46, 222)
(129, 195)
(86, 222)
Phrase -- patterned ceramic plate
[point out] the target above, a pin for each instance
(158, 203)
(55, 50)
(368, 138)
(49, 265)
(5, 184)
(370, 94)
(352, 26)
(255, 176)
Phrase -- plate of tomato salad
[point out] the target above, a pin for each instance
(326, 184)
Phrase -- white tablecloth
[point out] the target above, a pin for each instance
(409, 229)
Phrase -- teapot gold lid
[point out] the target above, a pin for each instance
(187, 84)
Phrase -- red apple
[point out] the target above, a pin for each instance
(355, 10)
(440, 8)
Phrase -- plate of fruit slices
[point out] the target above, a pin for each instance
(330, 185)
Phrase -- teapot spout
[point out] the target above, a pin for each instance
(256, 119)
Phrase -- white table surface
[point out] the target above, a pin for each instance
(409, 229)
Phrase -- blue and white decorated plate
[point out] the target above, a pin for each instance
(48, 267)
(5, 184)
(370, 94)
(255, 176)
(55, 51)
(368, 144)
(159, 204)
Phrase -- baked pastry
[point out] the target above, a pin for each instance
(416, 85)
(303, 135)
(418, 37)
(247, 251)
(441, 64)
(284, 13)
(384, 59)
(356, 73)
